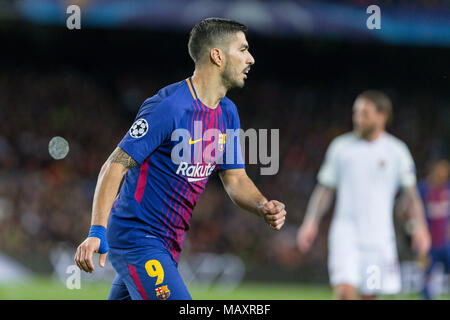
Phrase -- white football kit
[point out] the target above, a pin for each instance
(366, 175)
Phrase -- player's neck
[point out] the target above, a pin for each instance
(373, 136)
(209, 87)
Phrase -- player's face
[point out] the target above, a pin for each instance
(366, 118)
(237, 63)
(440, 172)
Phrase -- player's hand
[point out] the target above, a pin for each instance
(306, 235)
(273, 213)
(85, 251)
(421, 241)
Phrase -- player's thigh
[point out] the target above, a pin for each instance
(343, 259)
(380, 270)
(155, 274)
(119, 290)
(343, 269)
(118, 259)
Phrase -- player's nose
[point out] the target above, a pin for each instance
(250, 60)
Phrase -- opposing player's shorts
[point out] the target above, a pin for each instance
(372, 270)
(146, 273)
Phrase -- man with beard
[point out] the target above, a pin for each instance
(365, 167)
(150, 216)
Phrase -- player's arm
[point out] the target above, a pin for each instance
(319, 203)
(411, 203)
(243, 192)
(108, 182)
(412, 206)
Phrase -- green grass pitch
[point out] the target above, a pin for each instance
(45, 288)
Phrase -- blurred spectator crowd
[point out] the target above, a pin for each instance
(46, 202)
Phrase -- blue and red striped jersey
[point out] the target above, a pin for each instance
(178, 143)
(437, 210)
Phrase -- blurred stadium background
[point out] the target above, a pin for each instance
(312, 59)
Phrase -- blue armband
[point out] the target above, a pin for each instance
(100, 232)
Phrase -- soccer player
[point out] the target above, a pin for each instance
(147, 222)
(435, 192)
(365, 168)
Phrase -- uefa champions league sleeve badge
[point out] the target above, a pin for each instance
(139, 128)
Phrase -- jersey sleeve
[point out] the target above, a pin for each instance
(232, 156)
(406, 167)
(328, 173)
(152, 126)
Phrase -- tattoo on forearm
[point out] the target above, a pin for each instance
(120, 156)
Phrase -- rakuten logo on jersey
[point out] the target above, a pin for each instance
(195, 172)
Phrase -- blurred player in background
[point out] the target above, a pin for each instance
(150, 217)
(365, 168)
(435, 192)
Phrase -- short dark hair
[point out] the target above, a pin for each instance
(209, 33)
(380, 100)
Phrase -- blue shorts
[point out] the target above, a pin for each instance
(146, 273)
(439, 255)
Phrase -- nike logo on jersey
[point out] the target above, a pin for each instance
(193, 141)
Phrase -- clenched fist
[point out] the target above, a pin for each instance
(273, 213)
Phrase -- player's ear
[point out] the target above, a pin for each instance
(217, 56)
(384, 117)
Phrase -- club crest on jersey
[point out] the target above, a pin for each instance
(221, 141)
(139, 128)
(195, 172)
(162, 293)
